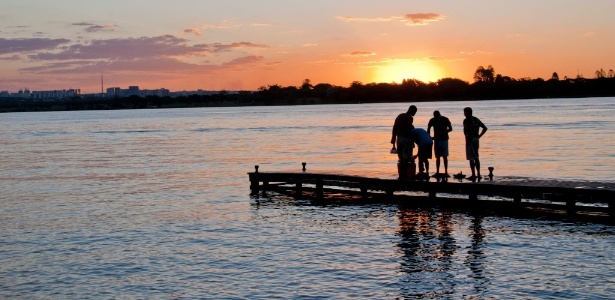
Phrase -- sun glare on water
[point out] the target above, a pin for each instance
(396, 72)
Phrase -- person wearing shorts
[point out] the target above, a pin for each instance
(402, 137)
(471, 127)
(441, 127)
(425, 144)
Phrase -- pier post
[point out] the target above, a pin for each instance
(473, 196)
(363, 193)
(517, 199)
(319, 189)
(299, 189)
(571, 204)
(254, 181)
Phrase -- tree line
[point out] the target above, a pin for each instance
(487, 85)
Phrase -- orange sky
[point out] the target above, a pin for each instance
(243, 45)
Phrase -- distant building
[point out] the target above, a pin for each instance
(133, 90)
(56, 94)
(113, 92)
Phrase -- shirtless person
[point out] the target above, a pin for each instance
(402, 135)
(471, 126)
(441, 127)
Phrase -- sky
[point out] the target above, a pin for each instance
(248, 44)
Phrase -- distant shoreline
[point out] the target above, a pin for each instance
(448, 89)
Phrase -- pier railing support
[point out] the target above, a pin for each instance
(517, 199)
(319, 189)
(299, 189)
(473, 196)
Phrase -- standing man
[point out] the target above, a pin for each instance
(471, 126)
(402, 134)
(441, 127)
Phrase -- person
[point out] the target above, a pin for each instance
(402, 137)
(441, 127)
(425, 143)
(471, 127)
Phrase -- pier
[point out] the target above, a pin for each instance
(569, 198)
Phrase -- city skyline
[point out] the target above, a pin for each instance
(243, 45)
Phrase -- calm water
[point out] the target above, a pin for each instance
(154, 204)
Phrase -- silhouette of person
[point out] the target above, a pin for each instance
(425, 143)
(471, 126)
(441, 127)
(402, 136)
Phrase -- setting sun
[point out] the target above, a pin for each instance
(426, 71)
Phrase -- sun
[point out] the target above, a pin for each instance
(396, 72)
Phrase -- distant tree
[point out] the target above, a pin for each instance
(484, 75)
(611, 74)
(356, 84)
(600, 73)
(412, 83)
(503, 79)
(452, 87)
(306, 85)
(555, 77)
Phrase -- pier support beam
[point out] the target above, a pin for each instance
(363, 193)
(517, 199)
(299, 190)
(319, 189)
(473, 196)
(571, 204)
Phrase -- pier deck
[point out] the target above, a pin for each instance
(503, 192)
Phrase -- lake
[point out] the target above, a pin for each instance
(155, 204)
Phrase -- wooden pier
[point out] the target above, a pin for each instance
(570, 198)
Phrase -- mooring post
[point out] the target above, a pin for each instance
(363, 193)
(254, 181)
(612, 209)
(432, 195)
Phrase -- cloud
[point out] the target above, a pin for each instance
(193, 31)
(148, 65)
(224, 25)
(477, 52)
(356, 19)
(90, 27)
(362, 53)
(227, 47)
(421, 18)
(244, 60)
(409, 19)
(129, 48)
(12, 57)
(29, 44)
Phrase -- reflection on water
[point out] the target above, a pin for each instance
(154, 204)
(428, 247)
(476, 257)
